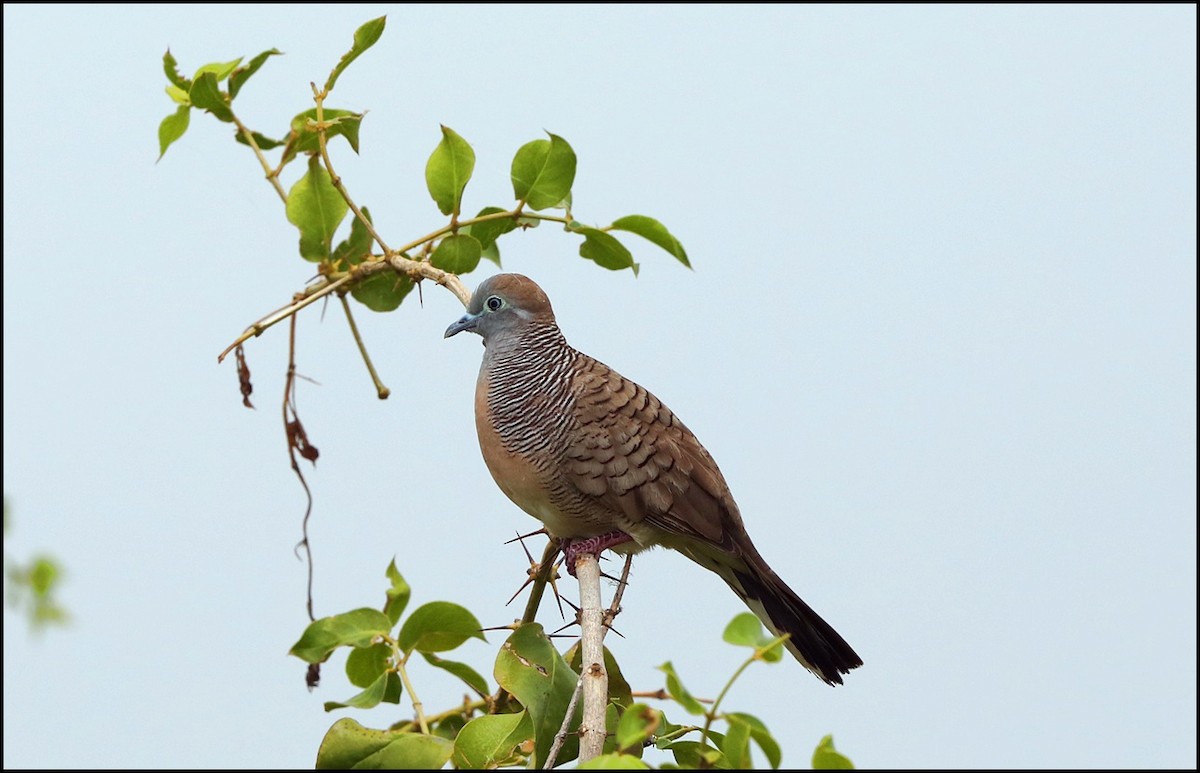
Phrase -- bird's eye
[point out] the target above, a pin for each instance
(493, 303)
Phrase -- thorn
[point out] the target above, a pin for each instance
(524, 536)
(565, 627)
(524, 585)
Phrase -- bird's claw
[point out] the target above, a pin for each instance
(573, 548)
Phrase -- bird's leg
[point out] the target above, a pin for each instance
(573, 548)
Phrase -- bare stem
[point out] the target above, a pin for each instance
(592, 729)
(319, 98)
(539, 582)
(418, 707)
(272, 176)
(380, 389)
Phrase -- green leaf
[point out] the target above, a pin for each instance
(612, 715)
(171, 68)
(637, 724)
(745, 630)
(366, 664)
(543, 172)
(602, 248)
(304, 139)
(449, 727)
(364, 37)
(678, 692)
(489, 231)
(385, 689)
(263, 141)
(464, 672)
(613, 762)
(736, 744)
(693, 754)
(825, 757)
(492, 253)
(384, 291)
(437, 627)
(238, 77)
(531, 668)
(178, 95)
(649, 228)
(172, 128)
(206, 95)
(762, 737)
(457, 253)
(220, 70)
(355, 629)
(351, 251)
(448, 170)
(350, 745)
(400, 592)
(619, 691)
(490, 741)
(316, 208)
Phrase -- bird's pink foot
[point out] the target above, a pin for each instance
(573, 548)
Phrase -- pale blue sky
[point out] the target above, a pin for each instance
(940, 338)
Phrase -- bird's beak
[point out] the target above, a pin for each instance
(467, 322)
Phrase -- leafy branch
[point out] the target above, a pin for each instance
(531, 717)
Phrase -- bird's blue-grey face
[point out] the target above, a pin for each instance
(503, 302)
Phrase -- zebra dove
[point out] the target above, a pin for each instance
(603, 463)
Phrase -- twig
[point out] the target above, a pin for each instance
(380, 389)
(319, 98)
(561, 737)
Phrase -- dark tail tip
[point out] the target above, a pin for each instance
(813, 642)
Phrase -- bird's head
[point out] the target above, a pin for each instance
(504, 303)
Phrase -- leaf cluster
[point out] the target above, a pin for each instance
(542, 177)
(32, 585)
(517, 724)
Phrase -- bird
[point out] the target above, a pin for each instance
(603, 463)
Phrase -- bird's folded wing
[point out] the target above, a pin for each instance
(629, 454)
